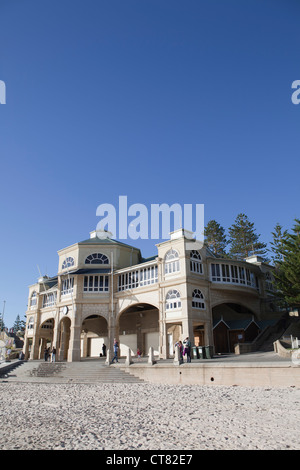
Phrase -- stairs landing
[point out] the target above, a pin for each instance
(68, 372)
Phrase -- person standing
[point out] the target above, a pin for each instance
(46, 354)
(104, 350)
(187, 349)
(53, 354)
(180, 345)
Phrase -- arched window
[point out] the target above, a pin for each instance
(97, 258)
(173, 300)
(68, 263)
(171, 262)
(30, 323)
(198, 299)
(33, 299)
(269, 281)
(195, 262)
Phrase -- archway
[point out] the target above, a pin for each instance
(94, 335)
(46, 331)
(138, 328)
(233, 323)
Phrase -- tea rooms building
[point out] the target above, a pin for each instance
(105, 289)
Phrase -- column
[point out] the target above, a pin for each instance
(74, 344)
(187, 330)
(74, 352)
(85, 344)
(26, 347)
(56, 330)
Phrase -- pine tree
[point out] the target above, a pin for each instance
(18, 325)
(278, 236)
(215, 238)
(287, 272)
(244, 241)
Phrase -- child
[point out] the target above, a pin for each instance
(138, 353)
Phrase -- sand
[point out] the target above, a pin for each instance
(147, 417)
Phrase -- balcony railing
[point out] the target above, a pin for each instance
(138, 278)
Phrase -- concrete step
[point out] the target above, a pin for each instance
(68, 372)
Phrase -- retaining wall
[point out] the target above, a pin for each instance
(286, 375)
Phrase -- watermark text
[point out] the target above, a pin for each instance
(135, 222)
(2, 92)
(296, 94)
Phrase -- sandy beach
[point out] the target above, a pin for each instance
(147, 417)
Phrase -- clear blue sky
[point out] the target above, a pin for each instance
(165, 101)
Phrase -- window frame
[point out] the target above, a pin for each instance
(68, 262)
(196, 265)
(171, 302)
(97, 258)
(96, 284)
(172, 262)
(33, 300)
(198, 301)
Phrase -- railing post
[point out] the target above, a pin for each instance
(151, 356)
(107, 360)
(128, 360)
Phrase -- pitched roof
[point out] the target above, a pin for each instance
(241, 324)
(105, 241)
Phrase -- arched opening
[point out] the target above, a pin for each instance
(139, 329)
(233, 323)
(46, 336)
(174, 333)
(94, 335)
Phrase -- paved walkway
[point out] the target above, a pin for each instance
(255, 358)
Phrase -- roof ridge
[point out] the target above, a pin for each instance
(103, 241)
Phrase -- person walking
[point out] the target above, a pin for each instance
(104, 350)
(116, 348)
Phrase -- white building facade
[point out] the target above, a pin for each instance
(105, 290)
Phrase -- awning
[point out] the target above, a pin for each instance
(88, 271)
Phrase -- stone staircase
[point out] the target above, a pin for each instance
(264, 341)
(68, 372)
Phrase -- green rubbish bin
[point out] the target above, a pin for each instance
(208, 352)
(200, 352)
(194, 352)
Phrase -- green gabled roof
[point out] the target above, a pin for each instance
(151, 258)
(105, 241)
(241, 324)
(90, 271)
(50, 281)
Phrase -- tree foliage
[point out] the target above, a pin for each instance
(287, 272)
(244, 241)
(215, 238)
(19, 325)
(276, 245)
